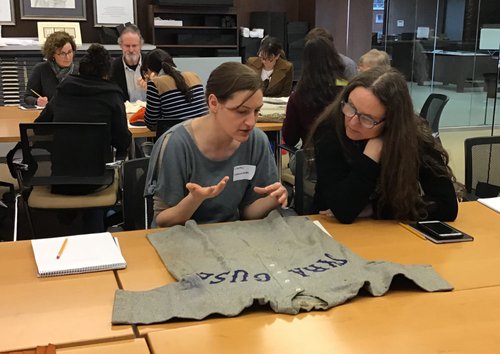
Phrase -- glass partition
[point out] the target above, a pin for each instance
(449, 47)
(436, 44)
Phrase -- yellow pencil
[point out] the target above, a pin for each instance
(61, 250)
(412, 230)
(36, 93)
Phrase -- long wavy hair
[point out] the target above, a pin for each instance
(321, 67)
(408, 142)
(158, 59)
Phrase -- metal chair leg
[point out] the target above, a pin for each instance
(486, 110)
(28, 216)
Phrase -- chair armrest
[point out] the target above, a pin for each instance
(289, 148)
(469, 197)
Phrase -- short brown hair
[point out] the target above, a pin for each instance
(231, 77)
(56, 41)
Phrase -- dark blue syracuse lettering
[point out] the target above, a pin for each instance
(220, 277)
(204, 276)
(315, 268)
(299, 272)
(235, 275)
(338, 262)
(262, 277)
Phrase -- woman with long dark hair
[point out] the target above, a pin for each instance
(375, 157)
(321, 81)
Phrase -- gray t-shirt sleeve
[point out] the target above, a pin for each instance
(266, 172)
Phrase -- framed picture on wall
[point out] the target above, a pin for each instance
(114, 12)
(45, 29)
(53, 9)
(7, 12)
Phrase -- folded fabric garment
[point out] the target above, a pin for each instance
(288, 263)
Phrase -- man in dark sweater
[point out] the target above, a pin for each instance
(126, 70)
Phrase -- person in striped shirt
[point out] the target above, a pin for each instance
(171, 94)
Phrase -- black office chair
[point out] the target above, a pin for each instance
(482, 167)
(431, 111)
(162, 125)
(137, 210)
(303, 182)
(64, 166)
(491, 86)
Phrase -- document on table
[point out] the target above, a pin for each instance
(492, 203)
(77, 254)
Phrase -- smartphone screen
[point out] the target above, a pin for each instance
(439, 230)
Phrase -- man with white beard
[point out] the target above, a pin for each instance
(126, 71)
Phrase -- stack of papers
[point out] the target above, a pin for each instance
(132, 107)
(160, 22)
(276, 100)
(492, 203)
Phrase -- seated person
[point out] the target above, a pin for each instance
(321, 80)
(126, 70)
(171, 94)
(275, 71)
(58, 50)
(90, 97)
(217, 167)
(373, 58)
(350, 65)
(375, 157)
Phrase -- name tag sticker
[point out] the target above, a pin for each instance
(243, 172)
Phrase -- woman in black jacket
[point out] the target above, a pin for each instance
(375, 157)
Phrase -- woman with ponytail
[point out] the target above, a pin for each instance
(171, 94)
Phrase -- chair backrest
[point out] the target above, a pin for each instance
(482, 166)
(162, 125)
(305, 182)
(432, 109)
(491, 84)
(137, 210)
(66, 153)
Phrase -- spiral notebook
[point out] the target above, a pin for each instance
(79, 254)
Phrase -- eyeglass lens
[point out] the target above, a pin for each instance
(350, 112)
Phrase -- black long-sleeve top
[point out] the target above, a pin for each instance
(81, 99)
(346, 185)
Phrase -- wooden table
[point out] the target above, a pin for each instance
(65, 310)
(131, 346)
(399, 322)
(464, 265)
(10, 117)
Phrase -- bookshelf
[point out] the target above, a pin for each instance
(194, 31)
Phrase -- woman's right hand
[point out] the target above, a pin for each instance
(201, 193)
(42, 101)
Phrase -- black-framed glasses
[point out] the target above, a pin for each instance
(365, 120)
(65, 54)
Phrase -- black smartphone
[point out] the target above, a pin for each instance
(439, 230)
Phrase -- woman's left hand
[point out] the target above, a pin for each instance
(276, 191)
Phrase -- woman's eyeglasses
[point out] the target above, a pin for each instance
(65, 54)
(365, 120)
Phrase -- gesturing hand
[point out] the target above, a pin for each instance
(201, 193)
(275, 190)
